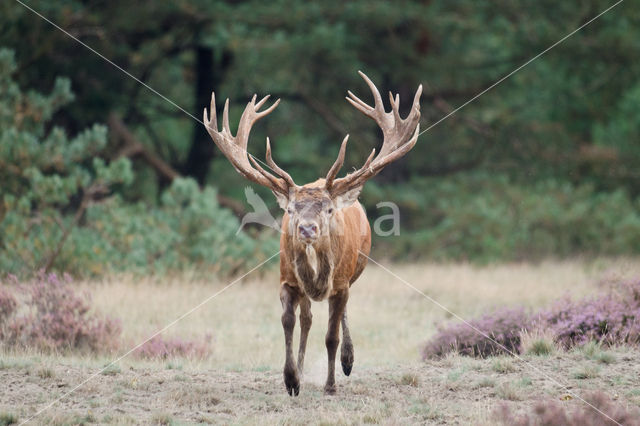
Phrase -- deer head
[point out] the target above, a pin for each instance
(310, 208)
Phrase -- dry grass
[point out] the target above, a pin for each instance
(595, 352)
(538, 342)
(508, 392)
(409, 379)
(451, 391)
(389, 320)
(586, 371)
(503, 365)
(241, 382)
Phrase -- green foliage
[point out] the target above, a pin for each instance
(187, 229)
(44, 174)
(60, 205)
(617, 151)
(543, 164)
(484, 218)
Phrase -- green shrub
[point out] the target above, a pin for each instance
(483, 218)
(187, 229)
(61, 206)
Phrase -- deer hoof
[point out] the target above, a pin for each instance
(346, 359)
(292, 383)
(330, 389)
(346, 368)
(293, 390)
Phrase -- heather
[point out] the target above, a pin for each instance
(610, 318)
(551, 413)
(47, 313)
(491, 334)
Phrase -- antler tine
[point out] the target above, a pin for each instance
(400, 135)
(337, 165)
(374, 90)
(271, 108)
(225, 117)
(235, 147)
(263, 172)
(272, 164)
(416, 106)
(358, 103)
(366, 165)
(395, 106)
(262, 101)
(360, 176)
(413, 120)
(212, 107)
(416, 98)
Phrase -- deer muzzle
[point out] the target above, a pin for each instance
(308, 231)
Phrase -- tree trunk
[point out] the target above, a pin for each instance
(209, 75)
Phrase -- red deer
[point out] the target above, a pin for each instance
(325, 237)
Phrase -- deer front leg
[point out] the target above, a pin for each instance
(346, 350)
(337, 304)
(305, 325)
(289, 298)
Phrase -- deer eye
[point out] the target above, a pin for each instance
(330, 210)
(290, 210)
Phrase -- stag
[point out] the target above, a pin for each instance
(326, 238)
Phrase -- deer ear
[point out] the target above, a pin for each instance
(283, 200)
(348, 198)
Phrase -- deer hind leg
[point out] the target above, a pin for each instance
(305, 325)
(346, 350)
(289, 298)
(337, 304)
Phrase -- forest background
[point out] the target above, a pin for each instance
(100, 174)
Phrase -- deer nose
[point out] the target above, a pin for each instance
(308, 230)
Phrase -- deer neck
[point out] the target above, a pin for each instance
(313, 266)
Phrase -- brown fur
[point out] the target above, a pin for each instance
(339, 260)
(323, 269)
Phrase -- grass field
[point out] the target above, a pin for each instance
(241, 382)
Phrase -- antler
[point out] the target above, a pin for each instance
(400, 135)
(235, 147)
